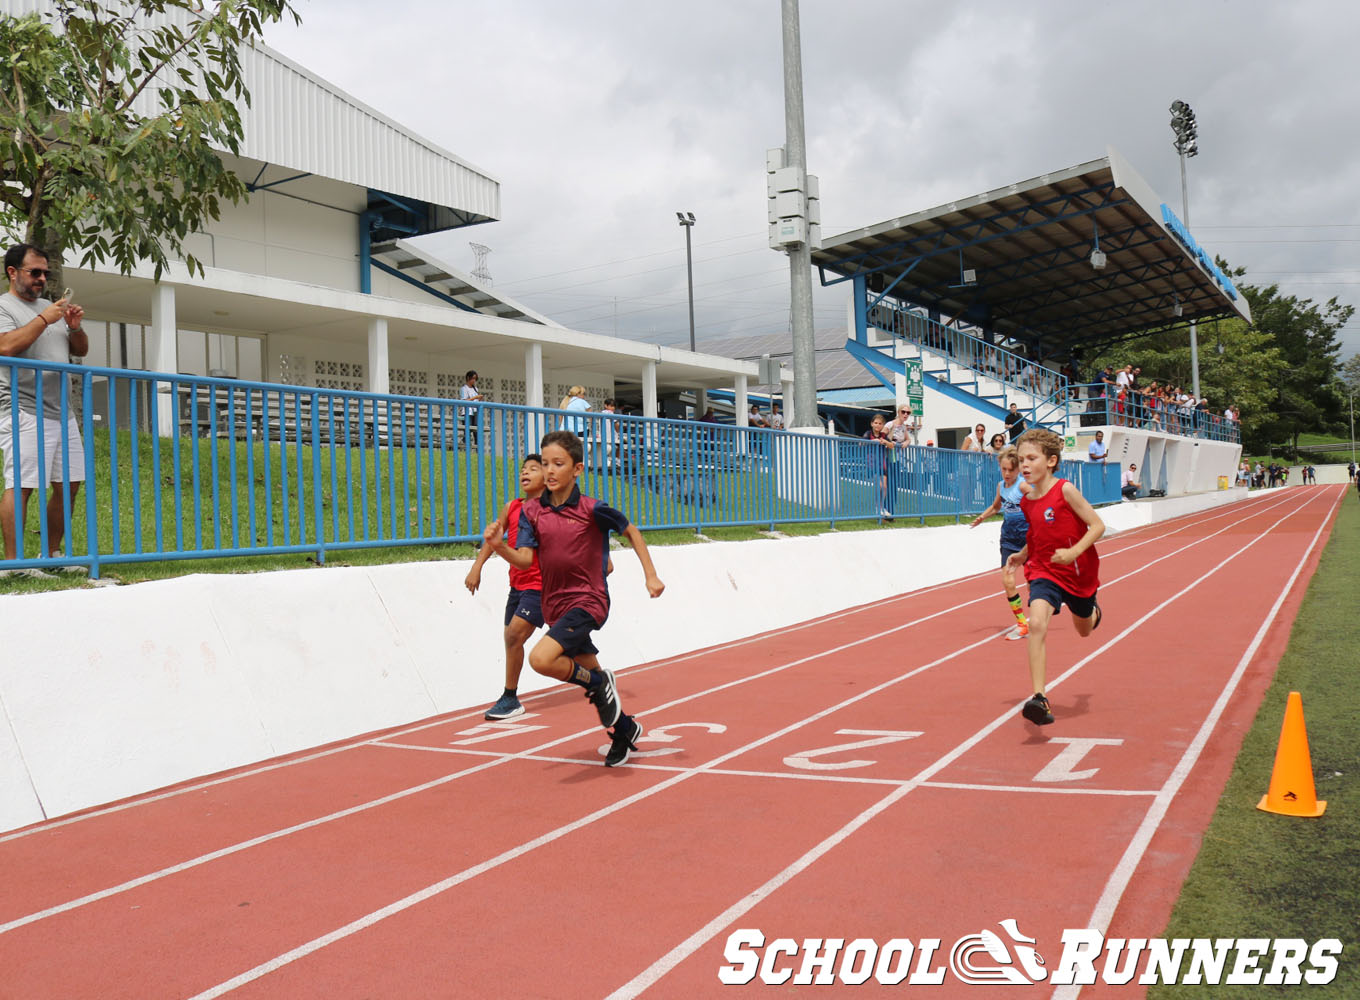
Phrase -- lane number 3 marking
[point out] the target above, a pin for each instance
(663, 734)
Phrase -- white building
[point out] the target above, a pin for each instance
(310, 282)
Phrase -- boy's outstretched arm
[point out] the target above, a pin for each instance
(639, 544)
(474, 577)
(1095, 527)
(494, 536)
(996, 506)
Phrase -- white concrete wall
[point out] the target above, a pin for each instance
(1175, 464)
(111, 692)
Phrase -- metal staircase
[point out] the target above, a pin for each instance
(961, 365)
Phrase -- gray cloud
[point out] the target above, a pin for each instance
(602, 118)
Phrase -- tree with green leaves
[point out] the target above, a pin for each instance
(111, 116)
(1305, 395)
(1280, 371)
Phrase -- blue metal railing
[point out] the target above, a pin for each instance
(180, 467)
(970, 352)
(1096, 404)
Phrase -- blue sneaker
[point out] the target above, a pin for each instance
(506, 708)
(605, 698)
(626, 734)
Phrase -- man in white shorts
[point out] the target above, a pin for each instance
(37, 328)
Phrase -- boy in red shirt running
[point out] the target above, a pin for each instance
(1059, 556)
(571, 535)
(524, 607)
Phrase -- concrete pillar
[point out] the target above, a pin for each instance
(742, 406)
(649, 389)
(533, 375)
(163, 354)
(786, 391)
(700, 402)
(378, 376)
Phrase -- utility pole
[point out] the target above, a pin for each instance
(800, 254)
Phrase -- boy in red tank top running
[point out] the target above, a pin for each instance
(1060, 559)
(524, 607)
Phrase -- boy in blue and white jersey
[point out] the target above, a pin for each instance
(1014, 528)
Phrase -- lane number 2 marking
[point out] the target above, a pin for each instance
(804, 761)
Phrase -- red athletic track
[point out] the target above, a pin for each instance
(434, 862)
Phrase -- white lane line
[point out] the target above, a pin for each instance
(843, 779)
(659, 969)
(132, 803)
(426, 786)
(435, 783)
(653, 973)
(1142, 838)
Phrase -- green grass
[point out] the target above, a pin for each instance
(1263, 875)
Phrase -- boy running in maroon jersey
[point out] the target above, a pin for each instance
(571, 535)
(1059, 556)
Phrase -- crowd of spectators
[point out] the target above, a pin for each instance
(1120, 398)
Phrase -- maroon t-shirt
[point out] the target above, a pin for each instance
(573, 551)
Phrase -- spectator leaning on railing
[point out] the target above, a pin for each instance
(35, 327)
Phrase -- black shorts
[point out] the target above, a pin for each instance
(526, 604)
(1055, 596)
(572, 632)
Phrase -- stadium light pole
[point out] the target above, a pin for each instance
(1186, 129)
(687, 221)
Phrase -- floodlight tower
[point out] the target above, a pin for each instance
(1186, 129)
(687, 220)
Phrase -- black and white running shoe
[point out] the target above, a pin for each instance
(605, 699)
(626, 734)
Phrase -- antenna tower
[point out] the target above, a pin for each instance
(480, 271)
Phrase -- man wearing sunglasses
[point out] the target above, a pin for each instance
(34, 327)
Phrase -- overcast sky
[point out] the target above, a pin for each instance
(601, 118)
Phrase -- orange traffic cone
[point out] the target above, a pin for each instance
(1291, 783)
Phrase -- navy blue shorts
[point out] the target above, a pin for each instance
(1050, 592)
(572, 632)
(526, 604)
(1009, 550)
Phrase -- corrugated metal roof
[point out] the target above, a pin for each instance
(448, 280)
(300, 121)
(1029, 246)
(836, 367)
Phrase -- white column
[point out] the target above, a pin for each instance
(786, 391)
(742, 406)
(700, 402)
(378, 374)
(163, 353)
(649, 389)
(533, 375)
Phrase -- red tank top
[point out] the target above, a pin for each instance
(522, 579)
(1054, 525)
